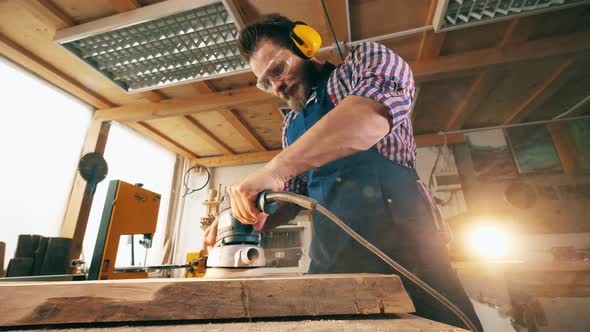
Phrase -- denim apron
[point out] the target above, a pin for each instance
(382, 202)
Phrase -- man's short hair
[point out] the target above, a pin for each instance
(273, 27)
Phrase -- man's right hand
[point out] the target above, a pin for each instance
(210, 236)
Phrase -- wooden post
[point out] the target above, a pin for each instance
(2, 253)
(79, 204)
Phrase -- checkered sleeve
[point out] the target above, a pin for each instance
(298, 184)
(380, 74)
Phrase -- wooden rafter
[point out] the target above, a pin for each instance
(480, 87)
(431, 42)
(238, 159)
(161, 138)
(31, 62)
(65, 19)
(184, 106)
(483, 83)
(207, 136)
(234, 120)
(124, 5)
(442, 67)
(546, 89)
(203, 87)
(263, 157)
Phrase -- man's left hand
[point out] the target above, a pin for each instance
(243, 195)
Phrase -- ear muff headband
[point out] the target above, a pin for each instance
(305, 40)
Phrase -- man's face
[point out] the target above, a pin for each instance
(283, 73)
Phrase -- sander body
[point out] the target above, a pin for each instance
(237, 246)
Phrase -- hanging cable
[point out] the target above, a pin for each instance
(187, 190)
(332, 29)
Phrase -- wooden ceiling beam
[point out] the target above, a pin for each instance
(31, 62)
(203, 87)
(431, 42)
(122, 6)
(65, 19)
(160, 138)
(545, 90)
(445, 66)
(184, 106)
(480, 87)
(238, 159)
(266, 156)
(234, 120)
(207, 136)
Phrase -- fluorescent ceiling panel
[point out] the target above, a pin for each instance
(165, 44)
(462, 13)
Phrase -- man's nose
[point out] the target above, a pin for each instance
(278, 86)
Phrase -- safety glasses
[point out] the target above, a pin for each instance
(276, 70)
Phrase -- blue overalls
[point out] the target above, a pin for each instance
(382, 202)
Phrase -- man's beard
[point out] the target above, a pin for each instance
(300, 92)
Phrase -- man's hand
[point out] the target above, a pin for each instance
(243, 195)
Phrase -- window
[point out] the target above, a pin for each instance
(41, 135)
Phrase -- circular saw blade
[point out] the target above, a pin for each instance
(92, 167)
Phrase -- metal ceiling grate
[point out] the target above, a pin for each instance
(460, 13)
(198, 43)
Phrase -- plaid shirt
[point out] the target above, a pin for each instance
(374, 71)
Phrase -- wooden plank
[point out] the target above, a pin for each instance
(160, 138)
(432, 69)
(79, 202)
(184, 106)
(438, 139)
(46, 71)
(238, 159)
(234, 120)
(183, 299)
(539, 95)
(206, 135)
(397, 323)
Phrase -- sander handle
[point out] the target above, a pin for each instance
(266, 205)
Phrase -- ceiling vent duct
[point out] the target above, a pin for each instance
(160, 45)
(457, 14)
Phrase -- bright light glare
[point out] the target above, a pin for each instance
(489, 241)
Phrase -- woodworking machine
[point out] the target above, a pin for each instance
(129, 209)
